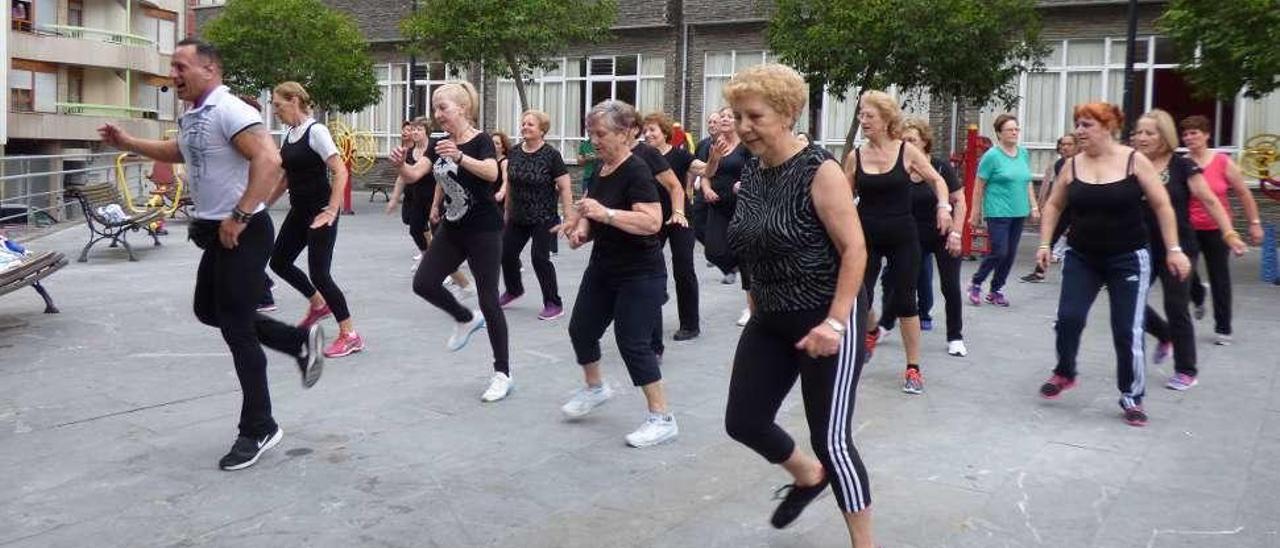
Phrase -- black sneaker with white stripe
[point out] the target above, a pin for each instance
(794, 500)
(246, 450)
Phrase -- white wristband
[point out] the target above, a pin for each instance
(836, 326)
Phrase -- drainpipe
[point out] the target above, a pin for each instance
(684, 69)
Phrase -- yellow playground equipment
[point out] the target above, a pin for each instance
(1259, 156)
(359, 152)
(169, 195)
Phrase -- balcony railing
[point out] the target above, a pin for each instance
(110, 37)
(86, 109)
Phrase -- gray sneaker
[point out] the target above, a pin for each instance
(585, 400)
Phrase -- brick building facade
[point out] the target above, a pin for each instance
(674, 55)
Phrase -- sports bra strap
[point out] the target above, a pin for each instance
(1128, 170)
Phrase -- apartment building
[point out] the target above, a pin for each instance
(676, 55)
(74, 64)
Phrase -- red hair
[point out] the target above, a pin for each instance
(1105, 113)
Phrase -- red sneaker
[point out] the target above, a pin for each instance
(873, 337)
(314, 315)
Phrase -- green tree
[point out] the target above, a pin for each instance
(969, 49)
(1237, 45)
(513, 37)
(265, 42)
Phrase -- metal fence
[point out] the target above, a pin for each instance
(32, 188)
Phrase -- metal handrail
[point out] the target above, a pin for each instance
(108, 36)
(80, 108)
(56, 156)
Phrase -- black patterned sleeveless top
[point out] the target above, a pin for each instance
(776, 231)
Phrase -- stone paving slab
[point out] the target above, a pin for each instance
(114, 413)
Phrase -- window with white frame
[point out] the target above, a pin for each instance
(33, 87)
(837, 114)
(568, 90)
(1084, 70)
(160, 26)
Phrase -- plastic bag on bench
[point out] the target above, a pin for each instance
(113, 213)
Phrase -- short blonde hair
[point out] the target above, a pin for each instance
(462, 93)
(888, 109)
(292, 90)
(1165, 127)
(922, 127)
(543, 119)
(781, 87)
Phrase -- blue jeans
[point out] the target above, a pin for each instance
(1004, 233)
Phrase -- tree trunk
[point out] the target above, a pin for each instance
(815, 111)
(519, 79)
(853, 126)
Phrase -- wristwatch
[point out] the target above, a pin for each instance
(240, 216)
(609, 214)
(836, 326)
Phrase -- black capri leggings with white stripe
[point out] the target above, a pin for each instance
(764, 369)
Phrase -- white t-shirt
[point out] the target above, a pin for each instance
(217, 174)
(320, 140)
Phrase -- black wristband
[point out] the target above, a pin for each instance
(240, 216)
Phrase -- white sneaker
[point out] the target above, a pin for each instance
(463, 331)
(1222, 340)
(745, 317)
(957, 349)
(499, 388)
(585, 400)
(730, 278)
(658, 428)
(885, 334)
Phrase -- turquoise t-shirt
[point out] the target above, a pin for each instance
(1007, 181)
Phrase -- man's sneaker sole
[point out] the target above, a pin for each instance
(271, 442)
(315, 356)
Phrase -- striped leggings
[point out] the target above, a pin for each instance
(766, 366)
(1127, 277)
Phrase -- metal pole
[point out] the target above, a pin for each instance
(1130, 54)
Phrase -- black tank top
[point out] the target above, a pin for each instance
(777, 232)
(1106, 218)
(306, 172)
(884, 201)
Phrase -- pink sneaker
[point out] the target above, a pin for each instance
(314, 315)
(506, 298)
(551, 312)
(345, 345)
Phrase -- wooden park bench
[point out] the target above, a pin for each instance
(30, 272)
(93, 198)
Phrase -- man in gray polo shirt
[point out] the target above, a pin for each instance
(232, 165)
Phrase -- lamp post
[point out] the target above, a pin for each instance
(1130, 102)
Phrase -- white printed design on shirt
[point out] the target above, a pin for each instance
(195, 136)
(457, 202)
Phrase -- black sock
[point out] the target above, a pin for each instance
(913, 366)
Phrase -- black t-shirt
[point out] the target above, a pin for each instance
(924, 201)
(417, 196)
(657, 164)
(1175, 177)
(622, 254)
(468, 199)
(701, 152)
(531, 180)
(728, 172)
(680, 160)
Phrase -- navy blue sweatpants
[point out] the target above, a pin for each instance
(1127, 276)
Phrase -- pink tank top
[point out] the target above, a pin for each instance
(1215, 174)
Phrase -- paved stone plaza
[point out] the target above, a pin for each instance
(113, 415)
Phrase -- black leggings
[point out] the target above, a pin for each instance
(902, 251)
(416, 213)
(295, 234)
(681, 239)
(948, 278)
(229, 284)
(634, 306)
(514, 238)
(1217, 264)
(765, 367)
(1178, 329)
(482, 251)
